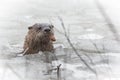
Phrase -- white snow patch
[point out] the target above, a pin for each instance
(59, 46)
(90, 36)
(89, 30)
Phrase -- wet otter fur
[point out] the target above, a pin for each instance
(40, 37)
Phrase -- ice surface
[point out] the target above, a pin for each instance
(90, 36)
(86, 27)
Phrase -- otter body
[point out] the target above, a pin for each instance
(40, 37)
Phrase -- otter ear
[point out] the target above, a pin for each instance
(30, 27)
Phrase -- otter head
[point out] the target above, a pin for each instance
(44, 30)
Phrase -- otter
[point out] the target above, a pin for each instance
(40, 37)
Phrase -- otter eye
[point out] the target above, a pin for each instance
(30, 27)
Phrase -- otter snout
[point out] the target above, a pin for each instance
(50, 33)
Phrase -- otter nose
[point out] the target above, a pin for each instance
(47, 30)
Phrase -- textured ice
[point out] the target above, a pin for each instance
(86, 27)
(91, 36)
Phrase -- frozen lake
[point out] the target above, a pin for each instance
(88, 31)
